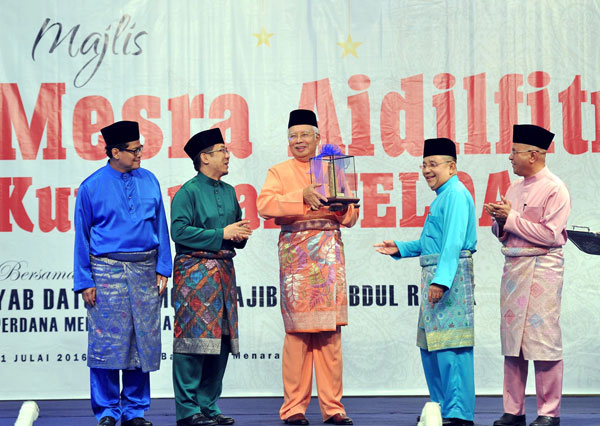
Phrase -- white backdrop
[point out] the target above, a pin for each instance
(381, 75)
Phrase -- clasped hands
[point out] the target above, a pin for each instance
(500, 210)
(237, 231)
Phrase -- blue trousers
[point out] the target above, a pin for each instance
(109, 400)
(451, 382)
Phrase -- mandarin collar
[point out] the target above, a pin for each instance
(539, 175)
(301, 164)
(207, 180)
(117, 174)
(450, 182)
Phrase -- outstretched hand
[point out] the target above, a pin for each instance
(386, 247)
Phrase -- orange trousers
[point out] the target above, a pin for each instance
(300, 352)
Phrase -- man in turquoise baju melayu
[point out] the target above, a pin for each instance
(445, 329)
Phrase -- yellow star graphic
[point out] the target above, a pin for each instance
(349, 46)
(263, 37)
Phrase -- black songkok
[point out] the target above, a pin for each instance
(439, 146)
(203, 140)
(302, 116)
(531, 134)
(120, 133)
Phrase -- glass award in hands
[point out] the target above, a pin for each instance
(336, 175)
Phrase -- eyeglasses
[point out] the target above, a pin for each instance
(432, 165)
(136, 151)
(513, 152)
(294, 137)
(223, 150)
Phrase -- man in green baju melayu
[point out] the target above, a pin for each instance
(206, 227)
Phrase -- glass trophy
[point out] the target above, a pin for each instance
(337, 178)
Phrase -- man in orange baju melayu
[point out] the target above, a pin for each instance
(314, 302)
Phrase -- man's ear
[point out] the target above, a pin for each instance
(453, 167)
(202, 159)
(534, 155)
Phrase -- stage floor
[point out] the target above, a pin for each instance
(365, 411)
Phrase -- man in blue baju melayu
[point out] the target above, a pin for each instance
(122, 261)
(445, 328)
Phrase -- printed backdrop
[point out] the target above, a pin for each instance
(381, 75)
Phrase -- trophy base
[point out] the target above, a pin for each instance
(337, 204)
(341, 200)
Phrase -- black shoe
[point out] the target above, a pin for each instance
(546, 421)
(510, 420)
(453, 421)
(223, 420)
(339, 419)
(107, 421)
(138, 421)
(198, 419)
(296, 419)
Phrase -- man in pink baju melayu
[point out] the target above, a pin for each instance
(530, 221)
